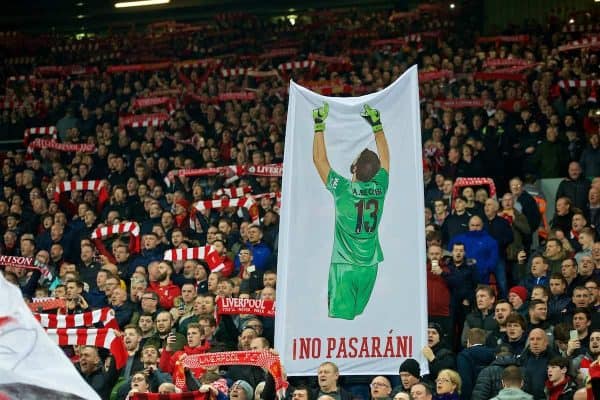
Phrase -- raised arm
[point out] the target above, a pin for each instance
(372, 116)
(319, 151)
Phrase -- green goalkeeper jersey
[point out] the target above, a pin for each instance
(358, 210)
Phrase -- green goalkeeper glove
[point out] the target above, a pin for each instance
(372, 116)
(319, 116)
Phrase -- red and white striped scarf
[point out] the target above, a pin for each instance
(329, 60)
(578, 83)
(106, 338)
(592, 42)
(64, 147)
(68, 186)
(207, 253)
(46, 303)
(427, 76)
(232, 192)
(228, 72)
(459, 103)
(263, 359)
(144, 120)
(287, 66)
(87, 319)
(197, 63)
(245, 202)
(243, 96)
(270, 195)
(155, 101)
(40, 130)
(504, 62)
(117, 229)
(196, 395)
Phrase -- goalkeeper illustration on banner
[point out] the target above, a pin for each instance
(359, 203)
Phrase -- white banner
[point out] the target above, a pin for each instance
(31, 366)
(324, 282)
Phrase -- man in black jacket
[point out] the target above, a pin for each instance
(534, 362)
(92, 371)
(438, 356)
(575, 186)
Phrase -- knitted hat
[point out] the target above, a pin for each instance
(246, 388)
(412, 367)
(520, 291)
(437, 327)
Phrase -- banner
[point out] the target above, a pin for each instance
(381, 247)
(30, 363)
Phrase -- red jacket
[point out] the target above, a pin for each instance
(438, 294)
(168, 358)
(227, 268)
(166, 294)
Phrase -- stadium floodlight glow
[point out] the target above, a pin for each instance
(571, 21)
(452, 5)
(140, 3)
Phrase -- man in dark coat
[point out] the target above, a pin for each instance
(575, 186)
(534, 362)
(472, 360)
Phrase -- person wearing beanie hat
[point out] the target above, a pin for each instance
(410, 374)
(241, 390)
(438, 356)
(517, 296)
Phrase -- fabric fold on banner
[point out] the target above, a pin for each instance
(345, 254)
(29, 358)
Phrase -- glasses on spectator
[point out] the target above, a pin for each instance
(148, 298)
(443, 380)
(253, 326)
(378, 384)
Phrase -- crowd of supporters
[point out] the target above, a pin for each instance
(512, 297)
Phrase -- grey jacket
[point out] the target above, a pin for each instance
(513, 394)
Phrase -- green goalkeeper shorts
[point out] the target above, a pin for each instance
(349, 289)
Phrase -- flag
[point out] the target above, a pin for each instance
(30, 364)
(367, 230)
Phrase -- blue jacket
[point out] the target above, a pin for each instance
(483, 248)
(501, 231)
(529, 281)
(469, 364)
(261, 256)
(145, 258)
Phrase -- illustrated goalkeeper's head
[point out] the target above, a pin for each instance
(365, 166)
